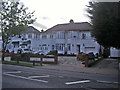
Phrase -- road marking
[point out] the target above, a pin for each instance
(38, 76)
(12, 72)
(107, 82)
(60, 76)
(84, 81)
(25, 78)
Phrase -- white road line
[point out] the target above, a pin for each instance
(13, 72)
(84, 81)
(38, 76)
(60, 76)
(25, 78)
(107, 82)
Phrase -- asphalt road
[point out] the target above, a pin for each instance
(29, 77)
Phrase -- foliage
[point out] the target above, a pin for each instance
(14, 20)
(81, 56)
(29, 54)
(54, 52)
(105, 22)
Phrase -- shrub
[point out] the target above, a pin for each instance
(81, 56)
(54, 52)
(91, 55)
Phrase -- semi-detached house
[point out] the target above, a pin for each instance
(69, 38)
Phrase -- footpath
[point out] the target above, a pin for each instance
(106, 66)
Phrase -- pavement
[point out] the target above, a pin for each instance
(106, 66)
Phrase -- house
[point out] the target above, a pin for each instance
(69, 38)
(28, 40)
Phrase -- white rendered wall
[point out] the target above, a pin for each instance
(114, 52)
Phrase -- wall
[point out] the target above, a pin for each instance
(114, 52)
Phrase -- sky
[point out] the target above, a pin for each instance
(52, 12)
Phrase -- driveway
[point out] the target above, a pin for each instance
(68, 63)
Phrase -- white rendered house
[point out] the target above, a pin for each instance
(28, 40)
(70, 38)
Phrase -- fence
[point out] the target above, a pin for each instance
(88, 59)
(32, 58)
(44, 59)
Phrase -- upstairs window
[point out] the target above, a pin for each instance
(61, 35)
(83, 36)
(51, 36)
(29, 35)
(44, 36)
(74, 36)
(35, 36)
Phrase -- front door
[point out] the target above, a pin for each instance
(78, 48)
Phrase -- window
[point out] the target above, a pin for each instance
(29, 35)
(61, 35)
(74, 36)
(60, 46)
(69, 47)
(51, 36)
(52, 47)
(44, 47)
(44, 36)
(36, 36)
(83, 36)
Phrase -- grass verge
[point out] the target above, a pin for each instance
(21, 63)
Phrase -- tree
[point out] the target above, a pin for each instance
(14, 20)
(105, 21)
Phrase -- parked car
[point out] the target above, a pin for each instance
(34, 52)
(42, 53)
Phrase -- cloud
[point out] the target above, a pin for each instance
(39, 25)
(62, 18)
(45, 18)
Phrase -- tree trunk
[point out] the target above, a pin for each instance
(3, 52)
(3, 49)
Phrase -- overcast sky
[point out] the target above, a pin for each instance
(52, 12)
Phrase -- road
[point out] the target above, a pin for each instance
(29, 77)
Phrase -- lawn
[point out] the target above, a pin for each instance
(21, 63)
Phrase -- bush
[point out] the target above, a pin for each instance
(24, 54)
(54, 52)
(15, 57)
(91, 55)
(81, 56)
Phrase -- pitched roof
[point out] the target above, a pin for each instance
(71, 26)
(31, 29)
